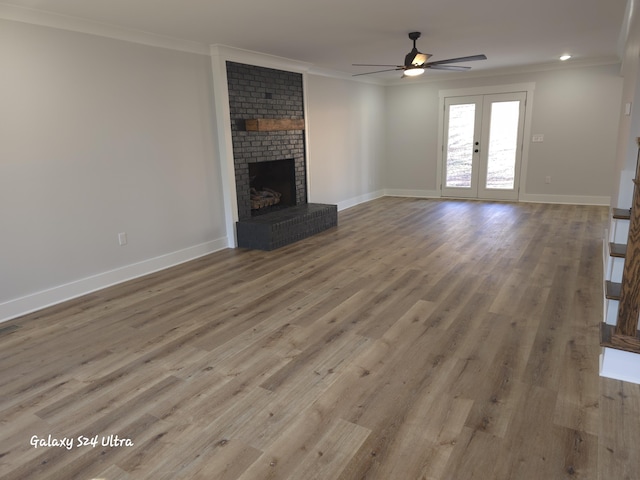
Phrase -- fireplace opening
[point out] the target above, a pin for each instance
(272, 185)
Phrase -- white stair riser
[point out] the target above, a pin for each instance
(620, 365)
(619, 231)
(614, 268)
(610, 311)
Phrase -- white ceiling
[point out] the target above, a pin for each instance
(333, 34)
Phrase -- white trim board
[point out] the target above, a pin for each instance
(249, 57)
(599, 200)
(620, 365)
(352, 202)
(46, 298)
(524, 198)
(397, 192)
(488, 90)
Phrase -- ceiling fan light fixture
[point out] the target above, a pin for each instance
(414, 72)
(415, 62)
(419, 59)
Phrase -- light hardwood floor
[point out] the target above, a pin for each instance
(420, 339)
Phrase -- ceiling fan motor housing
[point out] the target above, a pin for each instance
(414, 58)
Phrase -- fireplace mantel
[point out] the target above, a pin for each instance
(273, 124)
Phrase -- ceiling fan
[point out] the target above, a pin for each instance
(415, 62)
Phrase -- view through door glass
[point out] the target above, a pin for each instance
(483, 146)
(503, 143)
(460, 145)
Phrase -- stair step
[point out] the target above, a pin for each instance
(612, 290)
(621, 213)
(608, 338)
(618, 250)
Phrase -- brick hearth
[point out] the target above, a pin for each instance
(277, 229)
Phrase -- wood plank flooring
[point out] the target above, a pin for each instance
(420, 339)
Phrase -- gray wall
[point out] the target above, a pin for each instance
(577, 110)
(347, 138)
(100, 136)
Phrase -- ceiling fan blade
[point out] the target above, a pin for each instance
(472, 58)
(457, 68)
(374, 65)
(378, 71)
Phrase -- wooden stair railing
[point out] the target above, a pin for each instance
(624, 335)
(629, 308)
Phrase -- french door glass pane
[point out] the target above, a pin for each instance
(460, 145)
(503, 140)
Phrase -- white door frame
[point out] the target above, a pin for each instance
(489, 90)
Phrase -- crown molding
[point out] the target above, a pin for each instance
(258, 59)
(81, 25)
(449, 76)
(326, 72)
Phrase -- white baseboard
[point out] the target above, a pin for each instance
(620, 365)
(352, 202)
(396, 192)
(566, 199)
(36, 301)
(530, 197)
(39, 300)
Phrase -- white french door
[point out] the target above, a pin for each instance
(483, 145)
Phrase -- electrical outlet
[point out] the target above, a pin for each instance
(538, 138)
(122, 238)
(547, 179)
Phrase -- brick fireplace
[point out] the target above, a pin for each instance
(258, 92)
(271, 160)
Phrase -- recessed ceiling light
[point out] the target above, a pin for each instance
(565, 57)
